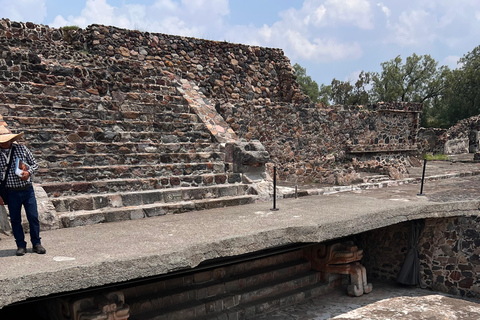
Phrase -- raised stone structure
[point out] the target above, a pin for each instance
(129, 124)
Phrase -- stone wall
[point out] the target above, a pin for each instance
(316, 143)
(448, 251)
(253, 88)
(430, 141)
(222, 70)
(461, 138)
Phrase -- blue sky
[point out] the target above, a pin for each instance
(330, 38)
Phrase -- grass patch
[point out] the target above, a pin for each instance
(439, 156)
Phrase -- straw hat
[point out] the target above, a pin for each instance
(7, 135)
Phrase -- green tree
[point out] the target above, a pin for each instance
(341, 91)
(308, 86)
(325, 94)
(418, 80)
(346, 93)
(461, 98)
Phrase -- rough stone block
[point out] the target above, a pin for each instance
(172, 196)
(156, 211)
(132, 199)
(101, 202)
(152, 197)
(83, 203)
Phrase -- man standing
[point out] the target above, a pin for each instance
(19, 189)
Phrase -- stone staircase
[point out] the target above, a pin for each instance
(129, 154)
(238, 291)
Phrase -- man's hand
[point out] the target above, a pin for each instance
(1, 202)
(25, 175)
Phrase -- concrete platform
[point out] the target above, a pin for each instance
(91, 256)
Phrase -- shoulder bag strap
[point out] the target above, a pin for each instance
(9, 165)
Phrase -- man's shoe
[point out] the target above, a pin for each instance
(39, 249)
(21, 251)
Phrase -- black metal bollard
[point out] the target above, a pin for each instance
(274, 189)
(423, 178)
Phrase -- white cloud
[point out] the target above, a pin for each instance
(24, 10)
(321, 13)
(385, 9)
(425, 23)
(188, 17)
(357, 12)
(298, 46)
(412, 28)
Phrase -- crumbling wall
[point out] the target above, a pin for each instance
(463, 137)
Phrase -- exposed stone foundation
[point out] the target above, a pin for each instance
(448, 252)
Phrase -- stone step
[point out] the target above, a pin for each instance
(215, 295)
(99, 173)
(153, 143)
(137, 155)
(240, 302)
(145, 138)
(25, 104)
(99, 201)
(60, 189)
(93, 125)
(152, 114)
(269, 304)
(108, 214)
(36, 83)
(230, 286)
(376, 178)
(81, 99)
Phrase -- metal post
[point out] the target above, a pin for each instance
(423, 177)
(274, 189)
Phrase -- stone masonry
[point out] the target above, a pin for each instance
(110, 112)
(448, 252)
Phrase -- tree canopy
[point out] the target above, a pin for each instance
(447, 95)
(308, 86)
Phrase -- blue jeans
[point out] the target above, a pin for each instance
(15, 201)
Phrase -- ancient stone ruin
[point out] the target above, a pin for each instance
(464, 137)
(129, 124)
